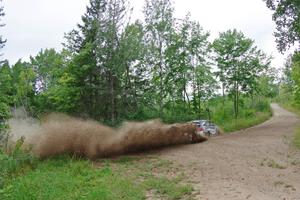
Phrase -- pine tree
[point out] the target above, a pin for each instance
(5, 84)
(96, 47)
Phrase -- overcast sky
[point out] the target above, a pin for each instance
(32, 25)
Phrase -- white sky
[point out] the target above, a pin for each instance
(32, 25)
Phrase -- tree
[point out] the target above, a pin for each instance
(178, 65)
(159, 24)
(5, 84)
(203, 81)
(287, 71)
(48, 66)
(84, 66)
(23, 78)
(97, 57)
(296, 77)
(239, 64)
(6, 92)
(267, 83)
(287, 18)
(134, 82)
(257, 64)
(187, 65)
(2, 41)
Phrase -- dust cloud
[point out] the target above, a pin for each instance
(58, 134)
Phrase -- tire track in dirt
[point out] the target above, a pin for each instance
(258, 163)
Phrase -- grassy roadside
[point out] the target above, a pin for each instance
(70, 178)
(295, 110)
(251, 114)
(290, 107)
(243, 123)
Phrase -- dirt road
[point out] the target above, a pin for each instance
(259, 163)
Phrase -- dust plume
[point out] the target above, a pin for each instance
(23, 126)
(138, 136)
(58, 134)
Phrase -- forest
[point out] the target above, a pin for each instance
(112, 69)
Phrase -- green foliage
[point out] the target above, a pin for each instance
(6, 100)
(289, 93)
(15, 162)
(296, 77)
(267, 84)
(158, 31)
(48, 66)
(252, 113)
(4, 111)
(240, 64)
(286, 16)
(187, 62)
(5, 91)
(23, 77)
(2, 41)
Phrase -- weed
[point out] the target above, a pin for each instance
(15, 162)
(287, 186)
(297, 138)
(278, 183)
(295, 162)
(165, 187)
(273, 164)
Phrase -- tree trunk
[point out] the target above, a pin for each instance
(223, 94)
(187, 97)
(235, 100)
(161, 80)
(199, 97)
(223, 98)
(112, 99)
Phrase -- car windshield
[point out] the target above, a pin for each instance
(199, 125)
(207, 123)
(200, 122)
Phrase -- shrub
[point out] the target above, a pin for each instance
(15, 161)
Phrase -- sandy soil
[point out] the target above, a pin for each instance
(258, 163)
